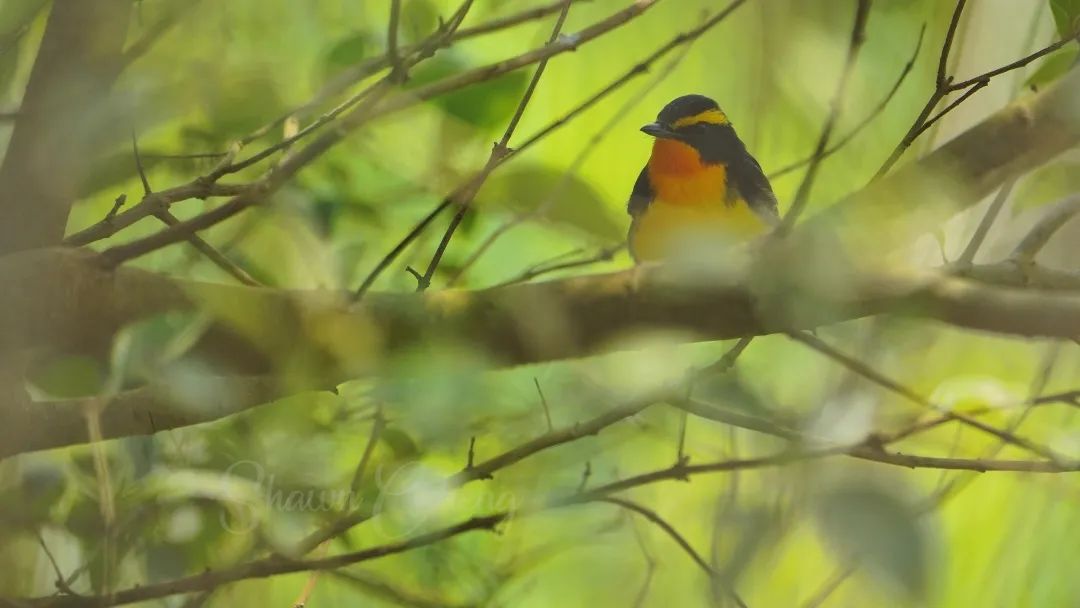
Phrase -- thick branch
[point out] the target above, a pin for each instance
(63, 115)
(891, 211)
(68, 303)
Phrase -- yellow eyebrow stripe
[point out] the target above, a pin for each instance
(711, 117)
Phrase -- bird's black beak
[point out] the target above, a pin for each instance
(658, 130)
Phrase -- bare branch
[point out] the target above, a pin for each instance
(1044, 229)
(61, 120)
(968, 255)
(498, 152)
(1019, 63)
(392, 52)
(880, 379)
(862, 124)
(802, 195)
(366, 111)
(638, 69)
(685, 545)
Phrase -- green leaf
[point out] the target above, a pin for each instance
(15, 19)
(401, 444)
(1053, 67)
(418, 19)
(558, 197)
(346, 52)
(1046, 185)
(874, 527)
(142, 349)
(238, 104)
(485, 104)
(68, 378)
(1066, 15)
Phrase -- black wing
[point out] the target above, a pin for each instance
(753, 187)
(642, 195)
(640, 199)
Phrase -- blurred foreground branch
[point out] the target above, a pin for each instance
(67, 303)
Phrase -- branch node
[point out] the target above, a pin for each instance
(117, 204)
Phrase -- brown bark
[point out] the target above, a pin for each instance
(64, 118)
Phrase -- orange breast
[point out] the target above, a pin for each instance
(678, 176)
(690, 212)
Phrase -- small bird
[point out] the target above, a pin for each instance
(700, 183)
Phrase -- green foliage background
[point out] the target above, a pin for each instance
(216, 494)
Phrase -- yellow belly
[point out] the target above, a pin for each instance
(667, 230)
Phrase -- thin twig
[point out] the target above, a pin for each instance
(802, 195)
(617, 83)
(941, 85)
(685, 545)
(1043, 230)
(952, 106)
(398, 72)
(497, 153)
(544, 403)
(881, 380)
(617, 116)
(862, 124)
(547, 267)
(377, 426)
(1019, 63)
(831, 585)
(987, 221)
(169, 219)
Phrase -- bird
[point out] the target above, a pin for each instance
(700, 182)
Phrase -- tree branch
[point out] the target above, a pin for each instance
(802, 195)
(64, 114)
(67, 303)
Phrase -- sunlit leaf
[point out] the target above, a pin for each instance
(486, 104)
(1066, 15)
(875, 528)
(556, 196)
(1053, 67)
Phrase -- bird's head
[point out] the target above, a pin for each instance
(690, 119)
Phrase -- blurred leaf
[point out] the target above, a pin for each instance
(142, 349)
(238, 104)
(68, 378)
(419, 18)
(114, 169)
(165, 561)
(14, 15)
(485, 104)
(15, 18)
(876, 528)
(1066, 15)
(347, 52)
(1047, 184)
(1053, 67)
(562, 198)
(41, 484)
(970, 393)
(401, 444)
